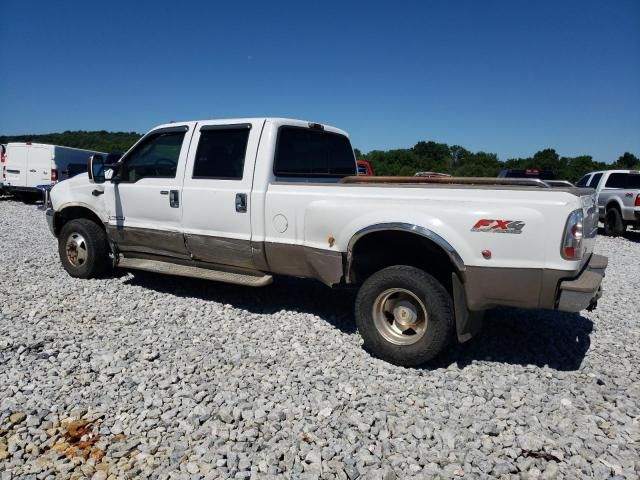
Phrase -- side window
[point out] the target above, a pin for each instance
(221, 152)
(633, 181)
(583, 181)
(595, 180)
(302, 152)
(617, 180)
(156, 157)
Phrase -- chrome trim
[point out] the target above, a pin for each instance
(405, 227)
(522, 182)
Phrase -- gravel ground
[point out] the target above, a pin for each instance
(144, 376)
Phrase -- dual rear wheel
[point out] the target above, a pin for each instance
(404, 315)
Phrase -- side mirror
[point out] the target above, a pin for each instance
(95, 168)
(112, 166)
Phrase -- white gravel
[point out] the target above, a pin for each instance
(145, 376)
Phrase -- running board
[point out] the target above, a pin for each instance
(195, 272)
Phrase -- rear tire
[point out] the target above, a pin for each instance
(83, 248)
(613, 224)
(404, 315)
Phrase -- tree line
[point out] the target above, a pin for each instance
(423, 156)
(100, 141)
(458, 161)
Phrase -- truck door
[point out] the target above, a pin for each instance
(39, 164)
(217, 188)
(144, 199)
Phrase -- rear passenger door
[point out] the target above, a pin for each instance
(217, 185)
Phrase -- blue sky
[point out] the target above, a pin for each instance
(509, 77)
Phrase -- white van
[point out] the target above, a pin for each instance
(29, 165)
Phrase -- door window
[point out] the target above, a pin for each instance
(595, 180)
(155, 157)
(221, 152)
(583, 182)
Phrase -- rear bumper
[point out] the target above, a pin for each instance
(551, 289)
(584, 290)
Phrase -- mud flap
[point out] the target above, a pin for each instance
(468, 323)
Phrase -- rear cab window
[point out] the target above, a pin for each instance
(312, 154)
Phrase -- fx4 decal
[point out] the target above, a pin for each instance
(498, 226)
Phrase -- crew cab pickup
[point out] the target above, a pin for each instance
(243, 200)
(618, 198)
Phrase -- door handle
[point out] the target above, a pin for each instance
(32, 171)
(241, 202)
(164, 192)
(174, 199)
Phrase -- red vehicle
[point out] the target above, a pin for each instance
(364, 168)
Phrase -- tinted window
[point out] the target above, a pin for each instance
(617, 180)
(302, 152)
(595, 180)
(156, 156)
(633, 181)
(583, 181)
(221, 153)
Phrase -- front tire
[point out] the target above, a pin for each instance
(83, 249)
(613, 224)
(404, 315)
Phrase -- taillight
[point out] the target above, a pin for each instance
(54, 174)
(637, 204)
(573, 235)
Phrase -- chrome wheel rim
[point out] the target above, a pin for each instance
(76, 249)
(400, 316)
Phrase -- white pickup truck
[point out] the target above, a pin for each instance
(242, 200)
(618, 198)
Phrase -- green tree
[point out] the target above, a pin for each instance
(628, 161)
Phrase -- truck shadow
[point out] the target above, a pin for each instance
(558, 340)
(520, 337)
(285, 293)
(631, 235)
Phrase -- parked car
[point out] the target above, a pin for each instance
(29, 165)
(241, 200)
(528, 173)
(364, 168)
(618, 196)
